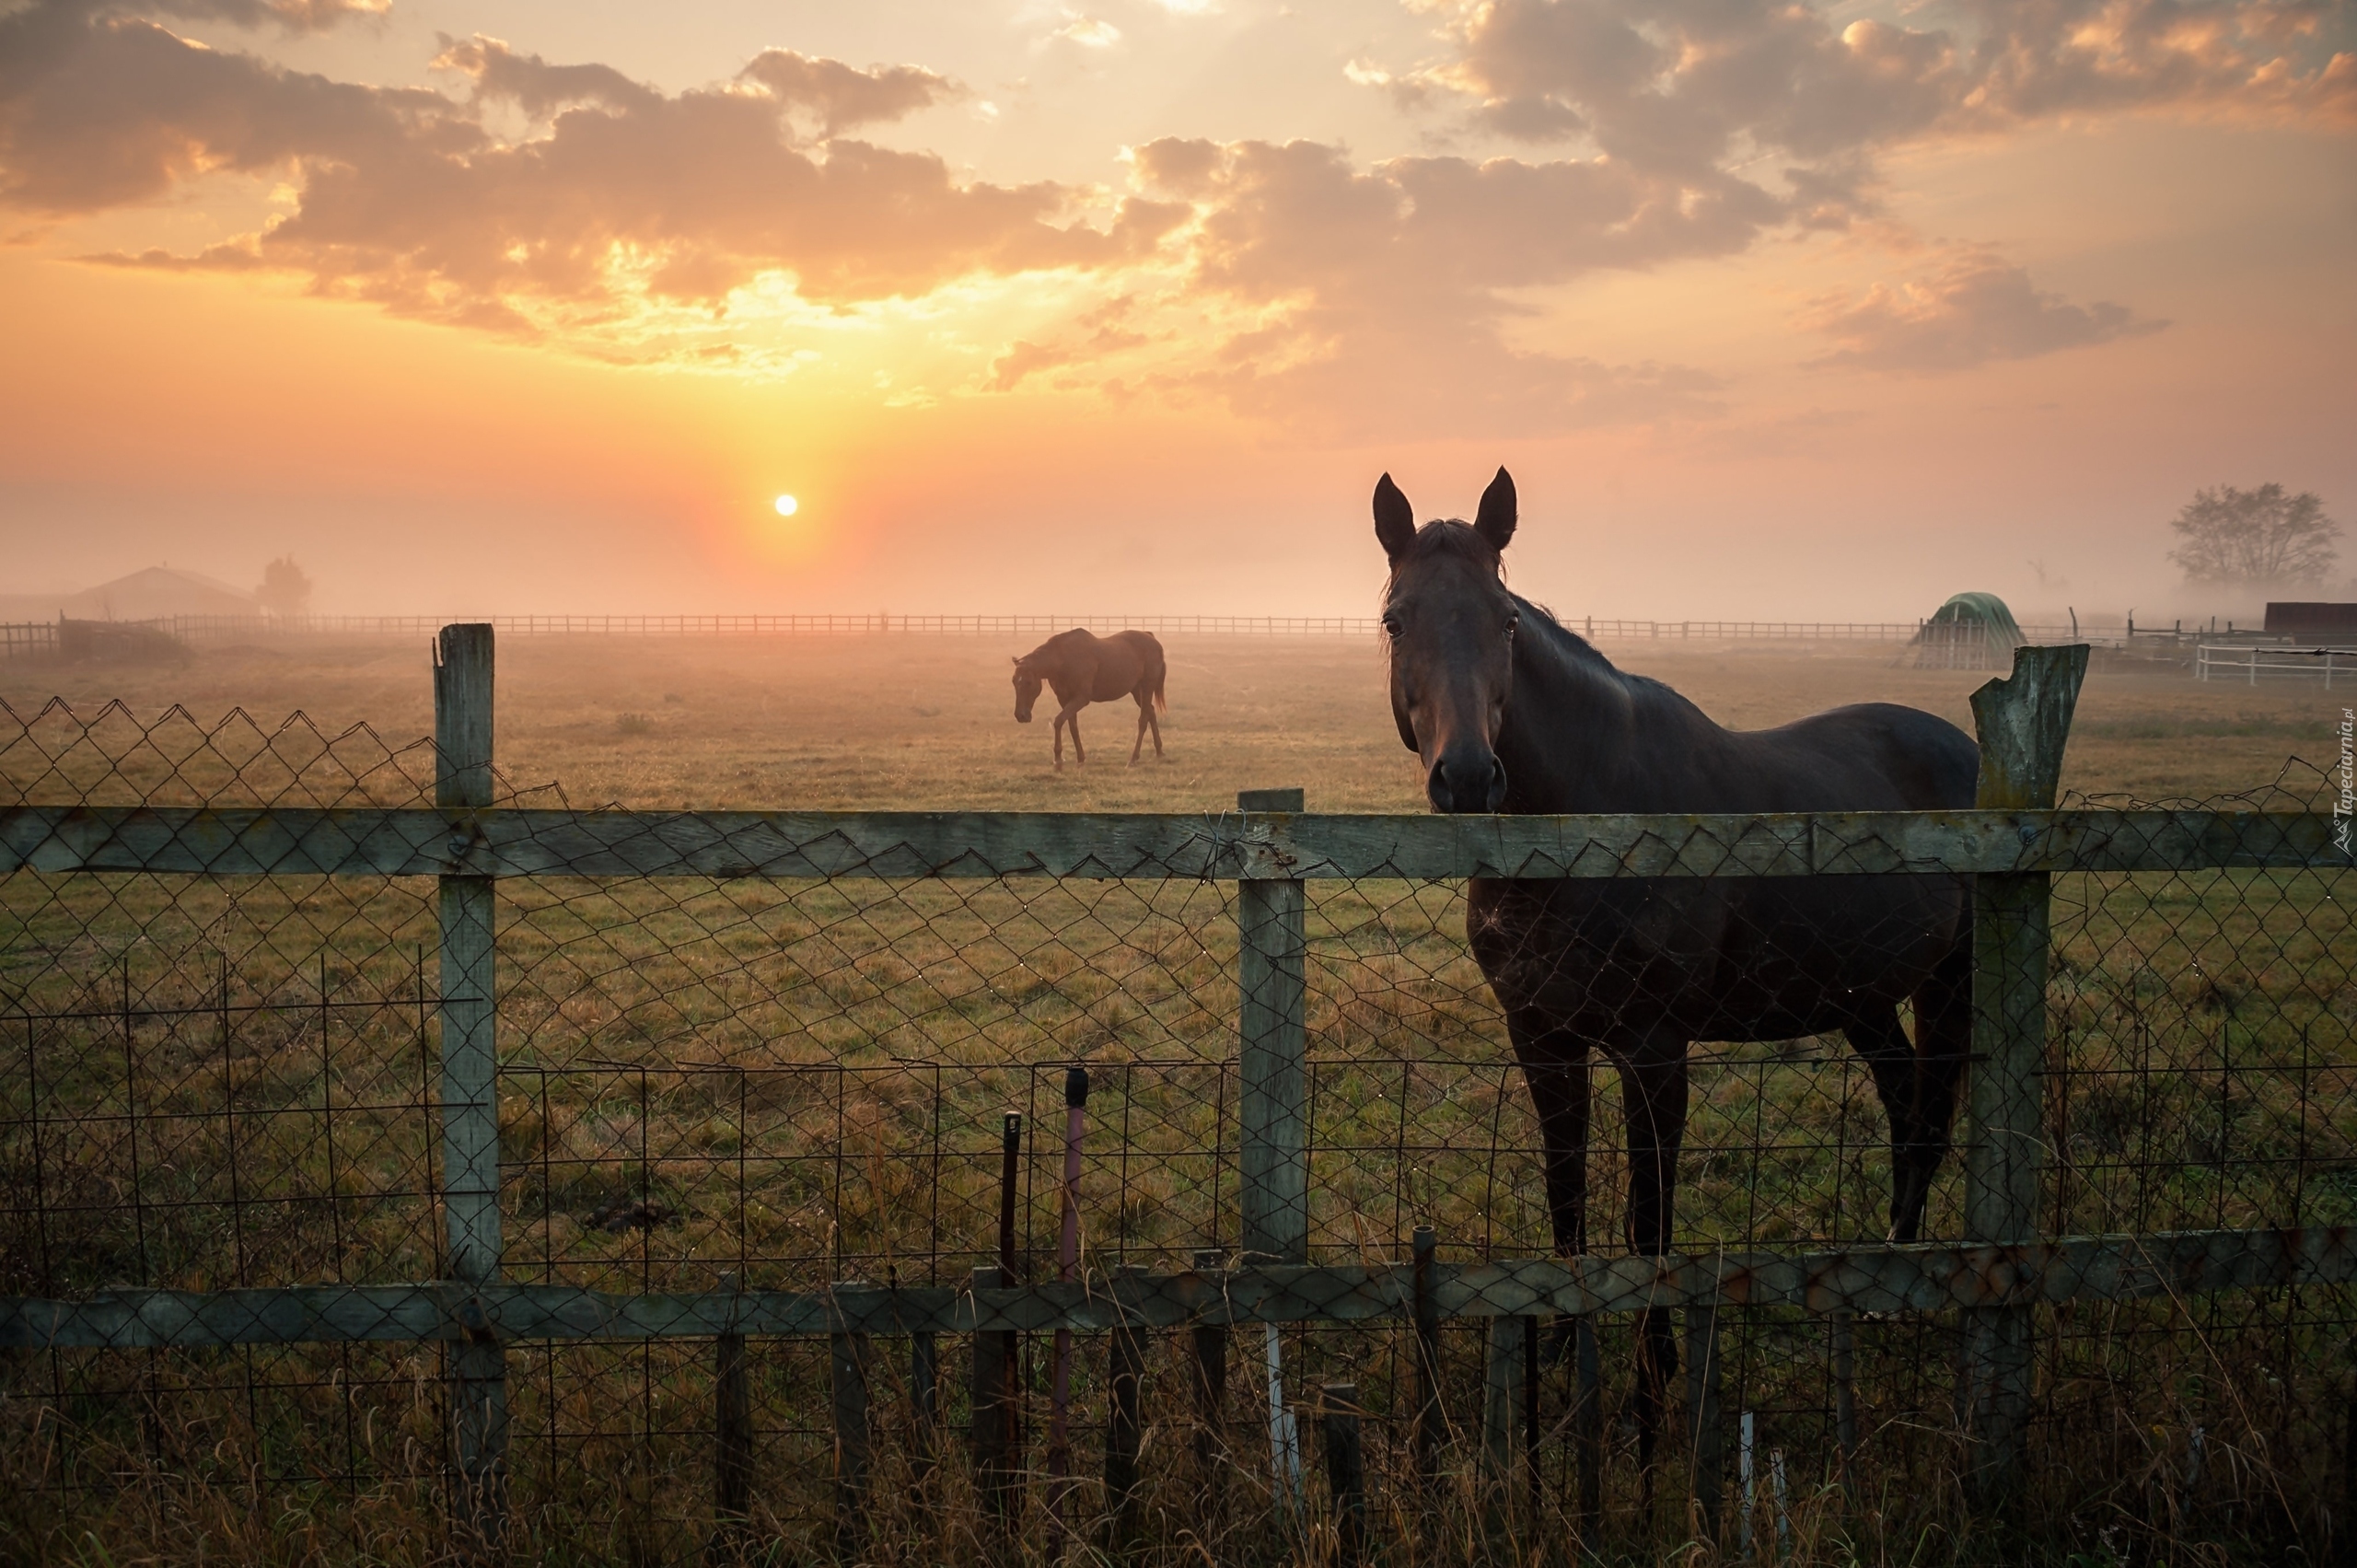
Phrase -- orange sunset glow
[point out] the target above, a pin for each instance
(1775, 310)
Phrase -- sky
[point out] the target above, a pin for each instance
(1774, 309)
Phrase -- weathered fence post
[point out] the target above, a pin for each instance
(2024, 721)
(1845, 1397)
(1425, 1311)
(1273, 1160)
(733, 1440)
(1703, 1417)
(1587, 1425)
(854, 1446)
(1273, 1157)
(925, 1409)
(1208, 1344)
(1501, 1389)
(462, 785)
(1338, 1406)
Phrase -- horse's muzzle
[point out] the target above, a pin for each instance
(1467, 780)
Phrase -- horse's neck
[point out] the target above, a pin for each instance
(1580, 736)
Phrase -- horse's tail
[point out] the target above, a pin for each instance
(1161, 703)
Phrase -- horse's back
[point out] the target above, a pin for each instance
(1745, 958)
(1871, 757)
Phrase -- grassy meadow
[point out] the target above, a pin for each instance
(794, 1082)
(884, 722)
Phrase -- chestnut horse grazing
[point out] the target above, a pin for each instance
(1510, 712)
(1083, 669)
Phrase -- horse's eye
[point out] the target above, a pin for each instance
(1513, 622)
(1390, 625)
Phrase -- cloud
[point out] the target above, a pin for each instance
(532, 84)
(626, 195)
(295, 16)
(1023, 358)
(1974, 310)
(839, 97)
(99, 110)
(1370, 299)
(1290, 281)
(1689, 83)
(1090, 32)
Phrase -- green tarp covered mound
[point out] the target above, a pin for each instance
(1972, 632)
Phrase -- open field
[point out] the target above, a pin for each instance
(878, 723)
(873, 722)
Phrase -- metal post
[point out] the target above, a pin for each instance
(1272, 1163)
(478, 1363)
(1067, 1266)
(993, 1406)
(2023, 722)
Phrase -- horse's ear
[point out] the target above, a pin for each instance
(1494, 522)
(1395, 520)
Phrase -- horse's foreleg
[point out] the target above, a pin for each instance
(1556, 1068)
(1069, 718)
(1653, 1090)
(1059, 729)
(1555, 1065)
(1943, 1044)
(1882, 1044)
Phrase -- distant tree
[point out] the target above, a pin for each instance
(285, 589)
(2255, 537)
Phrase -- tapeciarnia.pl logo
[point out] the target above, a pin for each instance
(2344, 804)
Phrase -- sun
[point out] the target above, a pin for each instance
(788, 505)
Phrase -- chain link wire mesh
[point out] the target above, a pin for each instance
(774, 1084)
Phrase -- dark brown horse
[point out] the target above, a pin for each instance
(1510, 712)
(1082, 668)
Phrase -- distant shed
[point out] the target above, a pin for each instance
(2313, 621)
(1971, 631)
(153, 593)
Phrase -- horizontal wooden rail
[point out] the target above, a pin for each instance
(415, 841)
(1862, 1279)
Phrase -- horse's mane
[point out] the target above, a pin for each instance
(1456, 537)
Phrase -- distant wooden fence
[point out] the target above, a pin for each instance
(22, 639)
(40, 638)
(2003, 1268)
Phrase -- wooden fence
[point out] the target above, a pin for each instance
(2012, 843)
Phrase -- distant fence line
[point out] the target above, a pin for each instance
(45, 637)
(2249, 663)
